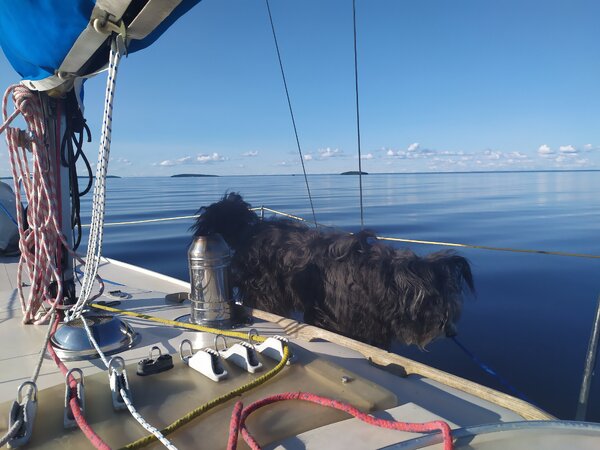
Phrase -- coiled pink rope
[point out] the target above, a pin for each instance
(41, 245)
(240, 414)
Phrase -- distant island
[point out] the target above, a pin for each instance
(188, 175)
(354, 172)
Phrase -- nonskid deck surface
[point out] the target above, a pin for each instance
(163, 398)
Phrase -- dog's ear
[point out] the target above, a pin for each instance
(230, 217)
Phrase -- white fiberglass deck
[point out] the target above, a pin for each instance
(320, 365)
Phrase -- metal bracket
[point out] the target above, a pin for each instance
(24, 409)
(243, 355)
(273, 347)
(79, 393)
(206, 361)
(117, 378)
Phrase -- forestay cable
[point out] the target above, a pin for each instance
(362, 219)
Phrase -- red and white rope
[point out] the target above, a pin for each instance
(241, 413)
(40, 244)
(35, 177)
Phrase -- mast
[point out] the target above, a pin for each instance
(56, 125)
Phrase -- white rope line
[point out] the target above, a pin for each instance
(94, 249)
(136, 415)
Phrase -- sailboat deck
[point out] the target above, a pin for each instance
(320, 365)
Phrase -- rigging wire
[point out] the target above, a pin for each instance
(287, 94)
(360, 186)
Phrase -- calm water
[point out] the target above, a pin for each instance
(532, 316)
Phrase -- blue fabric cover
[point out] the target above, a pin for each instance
(36, 35)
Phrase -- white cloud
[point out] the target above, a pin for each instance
(390, 152)
(517, 155)
(120, 160)
(588, 147)
(329, 153)
(545, 149)
(189, 160)
(308, 157)
(214, 157)
(567, 149)
(492, 154)
(367, 156)
(413, 147)
(251, 153)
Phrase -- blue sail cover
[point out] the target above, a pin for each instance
(37, 35)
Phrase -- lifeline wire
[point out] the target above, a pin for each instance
(287, 94)
(382, 238)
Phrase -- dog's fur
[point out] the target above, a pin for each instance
(350, 284)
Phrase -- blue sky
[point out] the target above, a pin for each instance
(444, 86)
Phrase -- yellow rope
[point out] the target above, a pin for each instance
(142, 442)
(174, 323)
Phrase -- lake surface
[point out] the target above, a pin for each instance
(532, 316)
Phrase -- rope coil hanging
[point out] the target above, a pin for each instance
(40, 244)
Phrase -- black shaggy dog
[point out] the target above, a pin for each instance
(350, 284)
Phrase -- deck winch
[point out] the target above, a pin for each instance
(211, 293)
